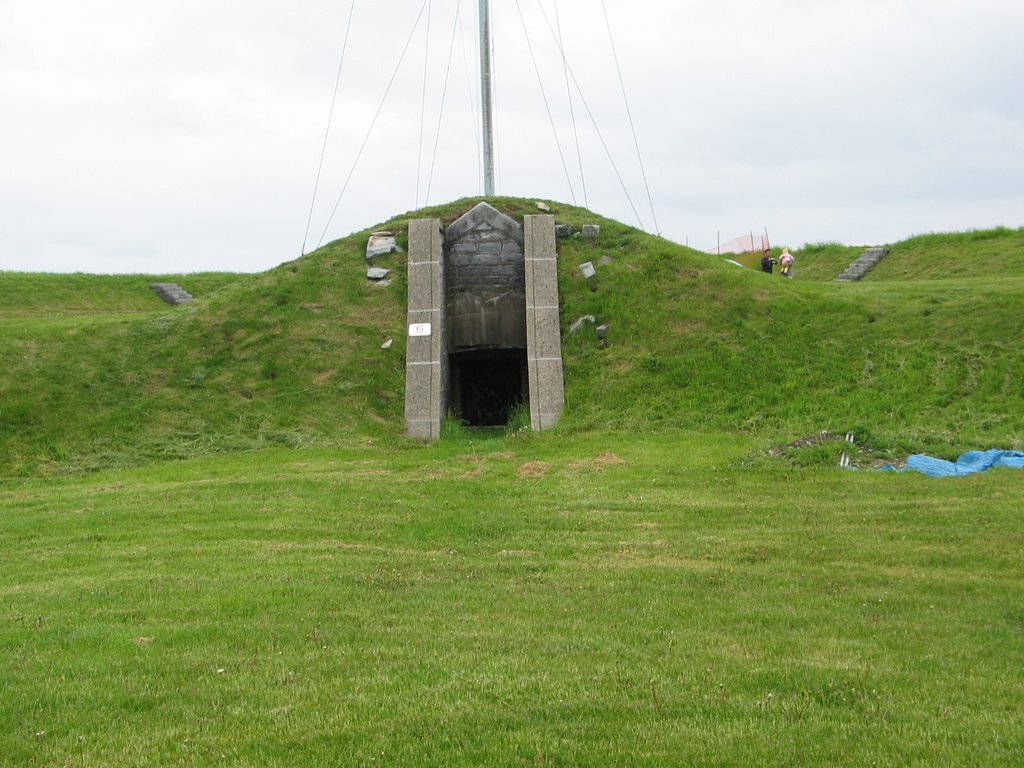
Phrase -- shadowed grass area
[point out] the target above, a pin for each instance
(587, 601)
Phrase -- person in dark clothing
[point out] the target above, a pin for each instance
(767, 261)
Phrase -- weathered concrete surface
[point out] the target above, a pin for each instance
(485, 283)
(484, 215)
(426, 355)
(544, 341)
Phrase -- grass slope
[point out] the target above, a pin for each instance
(991, 253)
(293, 356)
(41, 295)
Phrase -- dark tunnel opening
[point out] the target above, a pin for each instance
(488, 385)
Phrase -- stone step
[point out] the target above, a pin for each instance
(867, 261)
(172, 293)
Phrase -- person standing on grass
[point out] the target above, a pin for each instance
(787, 263)
(767, 261)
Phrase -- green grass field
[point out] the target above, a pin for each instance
(219, 549)
(602, 600)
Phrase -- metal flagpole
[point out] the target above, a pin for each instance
(485, 96)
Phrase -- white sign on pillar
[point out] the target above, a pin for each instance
(419, 329)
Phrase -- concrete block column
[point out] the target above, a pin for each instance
(426, 355)
(543, 330)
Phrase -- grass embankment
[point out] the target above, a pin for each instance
(293, 356)
(987, 253)
(995, 253)
(539, 601)
(42, 295)
(285, 357)
(919, 365)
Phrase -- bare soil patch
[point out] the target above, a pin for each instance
(533, 470)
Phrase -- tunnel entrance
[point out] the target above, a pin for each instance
(488, 385)
(484, 325)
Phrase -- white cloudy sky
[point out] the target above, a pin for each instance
(179, 135)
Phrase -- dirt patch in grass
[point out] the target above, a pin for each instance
(533, 470)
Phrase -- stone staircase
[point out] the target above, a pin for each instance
(172, 293)
(867, 261)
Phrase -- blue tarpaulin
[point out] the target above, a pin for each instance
(968, 464)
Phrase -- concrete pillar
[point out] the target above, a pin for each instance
(543, 329)
(426, 353)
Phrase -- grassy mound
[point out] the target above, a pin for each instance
(96, 372)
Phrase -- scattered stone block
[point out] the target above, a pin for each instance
(380, 244)
(377, 273)
(605, 261)
(591, 232)
(381, 283)
(588, 270)
(562, 231)
(544, 207)
(387, 344)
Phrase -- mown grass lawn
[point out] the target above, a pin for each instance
(607, 599)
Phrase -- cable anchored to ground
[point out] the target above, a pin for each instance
(444, 94)
(629, 114)
(327, 133)
(572, 109)
(373, 122)
(547, 107)
(593, 120)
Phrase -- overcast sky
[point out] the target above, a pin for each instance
(178, 136)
